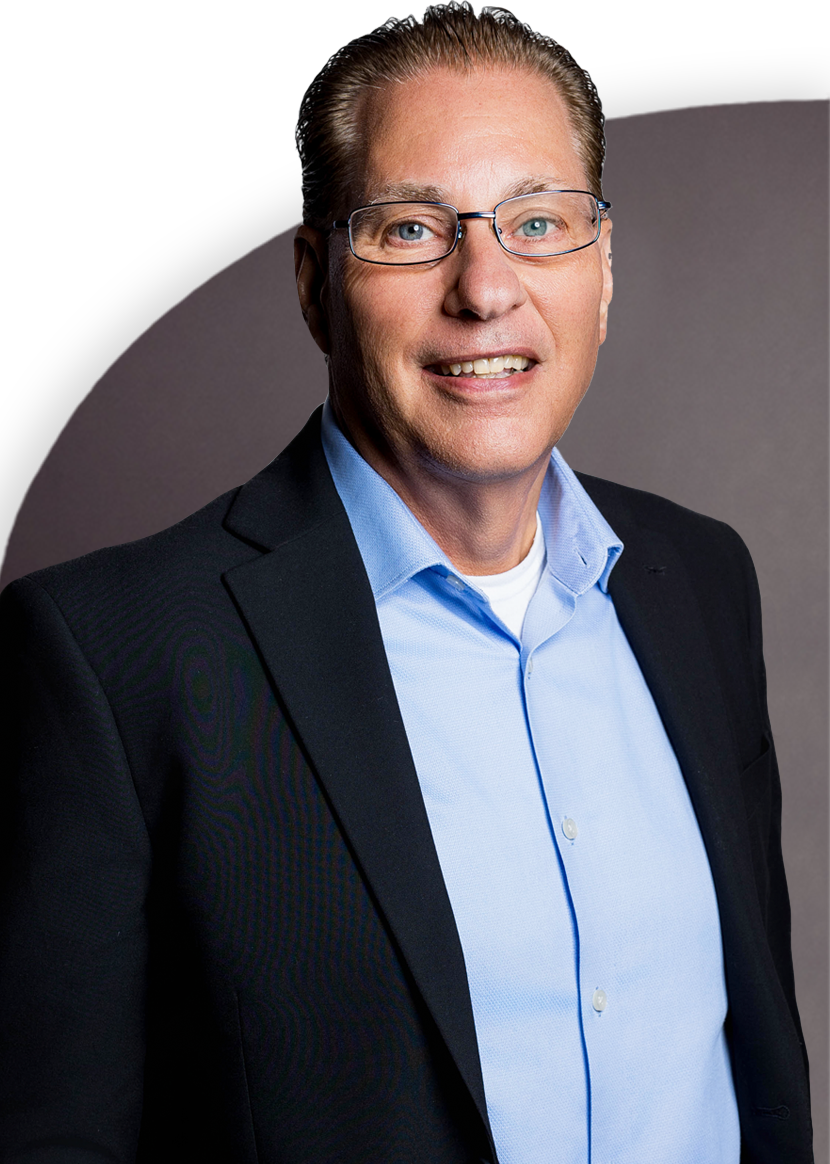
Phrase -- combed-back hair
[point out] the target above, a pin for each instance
(329, 134)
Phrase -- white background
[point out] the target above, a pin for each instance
(146, 145)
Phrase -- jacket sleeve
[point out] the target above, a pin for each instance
(777, 914)
(75, 872)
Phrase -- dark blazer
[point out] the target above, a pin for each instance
(226, 937)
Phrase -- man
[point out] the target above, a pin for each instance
(416, 801)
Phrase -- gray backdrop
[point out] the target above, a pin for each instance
(711, 390)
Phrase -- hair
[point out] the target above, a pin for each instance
(450, 36)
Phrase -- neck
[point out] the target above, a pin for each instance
(484, 527)
(482, 530)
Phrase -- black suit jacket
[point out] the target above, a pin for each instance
(225, 933)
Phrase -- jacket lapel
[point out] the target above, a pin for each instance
(659, 613)
(309, 607)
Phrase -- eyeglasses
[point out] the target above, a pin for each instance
(540, 226)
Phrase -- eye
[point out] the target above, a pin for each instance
(412, 232)
(535, 227)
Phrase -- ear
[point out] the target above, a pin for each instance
(607, 277)
(311, 270)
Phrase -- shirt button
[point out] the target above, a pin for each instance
(599, 1000)
(530, 665)
(456, 582)
(569, 828)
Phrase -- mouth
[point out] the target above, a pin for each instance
(483, 367)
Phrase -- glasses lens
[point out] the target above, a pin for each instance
(403, 232)
(548, 224)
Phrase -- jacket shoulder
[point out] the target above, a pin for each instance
(291, 493)
(698, 538)
(164, 563)
(712, 558)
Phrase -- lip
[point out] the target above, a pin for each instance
(469, 386)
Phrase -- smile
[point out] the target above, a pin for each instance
(484, 367)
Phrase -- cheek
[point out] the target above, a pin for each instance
(570, 305)
(390, 310)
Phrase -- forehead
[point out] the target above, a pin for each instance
(477, 134)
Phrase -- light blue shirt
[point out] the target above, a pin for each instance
(568, 844)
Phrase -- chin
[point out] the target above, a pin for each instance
(482, 461)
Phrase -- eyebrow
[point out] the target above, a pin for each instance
(411, 192)
(536, 185)
(408, 192)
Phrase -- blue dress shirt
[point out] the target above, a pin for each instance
(568, 844)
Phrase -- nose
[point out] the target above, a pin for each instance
(484, 282)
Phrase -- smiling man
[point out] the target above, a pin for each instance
(454, 375)
(415, 803)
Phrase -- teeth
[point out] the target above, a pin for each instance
(487, 366)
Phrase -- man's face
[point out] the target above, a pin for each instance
(468, 140)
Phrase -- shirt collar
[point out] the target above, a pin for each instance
(581, 546)
(392, 542)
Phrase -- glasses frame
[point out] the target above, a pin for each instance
(346, 224)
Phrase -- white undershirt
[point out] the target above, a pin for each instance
(510, 593)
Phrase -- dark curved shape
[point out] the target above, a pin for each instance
(635, 73)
